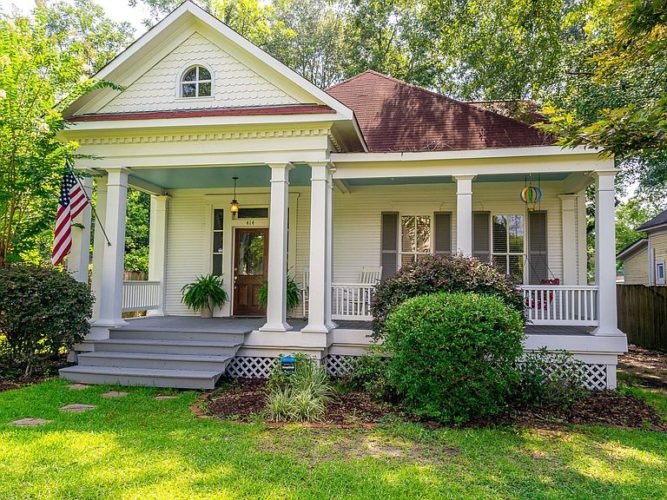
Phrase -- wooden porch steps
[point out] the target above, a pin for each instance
(156, 357)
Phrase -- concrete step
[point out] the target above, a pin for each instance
(196, 362)
(158, 346)
(157, 334)
(179, 379)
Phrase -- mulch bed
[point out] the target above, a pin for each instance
(47, 368)
(595, 408)
(643, 367)
(243, 400)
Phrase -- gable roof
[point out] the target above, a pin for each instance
(655, 222)
(136, 59)
(632, 248)
(400, 117)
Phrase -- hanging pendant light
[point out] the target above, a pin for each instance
(234, 205)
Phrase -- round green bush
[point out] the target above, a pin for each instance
(433, 274)
(43, 310)
(454, 355)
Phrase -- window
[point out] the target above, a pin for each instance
(660, 272)
(196, 82)
(508, 245)
(218, 217)
(415, 237)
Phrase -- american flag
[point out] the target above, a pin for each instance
(72, 201)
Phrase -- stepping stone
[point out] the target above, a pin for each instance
(77, 408)
(78, 387)
(30, 422)
(162, 397)
(114, 394)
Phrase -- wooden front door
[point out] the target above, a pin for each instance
(251, 252)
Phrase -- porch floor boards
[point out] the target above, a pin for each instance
(247, 325)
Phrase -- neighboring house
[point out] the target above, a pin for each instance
(644, 260)
(338, 187)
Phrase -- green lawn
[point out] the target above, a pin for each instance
(138, 447)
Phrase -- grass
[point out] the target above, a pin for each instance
(137, 447)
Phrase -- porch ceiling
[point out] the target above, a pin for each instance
(385, 181)
(216, 177)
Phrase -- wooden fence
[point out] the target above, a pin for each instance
(642, 315)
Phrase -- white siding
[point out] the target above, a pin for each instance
(234, 84)
(357, 226)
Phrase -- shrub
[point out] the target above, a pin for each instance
(293, 294)
(369, 373)
(453, 355)
(552, 380)
(441, 274)
(300, 396)
(42, 310)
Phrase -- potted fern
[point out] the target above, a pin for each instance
(204, 294)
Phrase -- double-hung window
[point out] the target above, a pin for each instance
(415, 237)
(508, 238)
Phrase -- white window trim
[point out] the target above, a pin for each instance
(179, 83)
(524, 253)
(399, 260)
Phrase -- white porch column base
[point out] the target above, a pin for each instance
(605, 253)
(157, 245)
(569, 232)
(319, 248)
(111, 295)
(464, 214)
(99, 244)
(79, 256)
(276, 307)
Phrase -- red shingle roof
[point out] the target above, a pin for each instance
(396, 116)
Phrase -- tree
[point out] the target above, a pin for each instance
(136, 231)
(620, 105)
(83, 28)
(34, 75)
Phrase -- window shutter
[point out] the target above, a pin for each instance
(443, 233)
(481, 247)
(537, 247)
(389, 257)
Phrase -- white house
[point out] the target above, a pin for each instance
(335, 187)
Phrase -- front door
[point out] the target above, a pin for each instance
(251, 249)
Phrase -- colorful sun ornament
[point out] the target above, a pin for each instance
(531, 196)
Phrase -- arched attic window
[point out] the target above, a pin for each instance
(196, 82)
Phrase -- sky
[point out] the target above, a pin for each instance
(118, 10)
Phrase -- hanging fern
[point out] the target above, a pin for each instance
(293, 294)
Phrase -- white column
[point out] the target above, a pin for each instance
(605, 253)
(276, 307)
(111, 293)
(317, 287)
(464, 214)
(569, 234)
(79, 256)
(99, 243)
(157, 246)
(329, 261)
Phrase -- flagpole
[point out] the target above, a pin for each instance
(99, 222)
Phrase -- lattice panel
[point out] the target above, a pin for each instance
(338, 364)
(595, 376)
(250, 367)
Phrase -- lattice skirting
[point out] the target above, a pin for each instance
(250, 367)
(594, 375)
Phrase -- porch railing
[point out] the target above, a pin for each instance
(352, 301)
(141, 295)
(561, 304)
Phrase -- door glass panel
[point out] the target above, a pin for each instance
(251, 254)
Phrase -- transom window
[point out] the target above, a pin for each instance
(508, 245)
(196, 82)
(415, 237)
